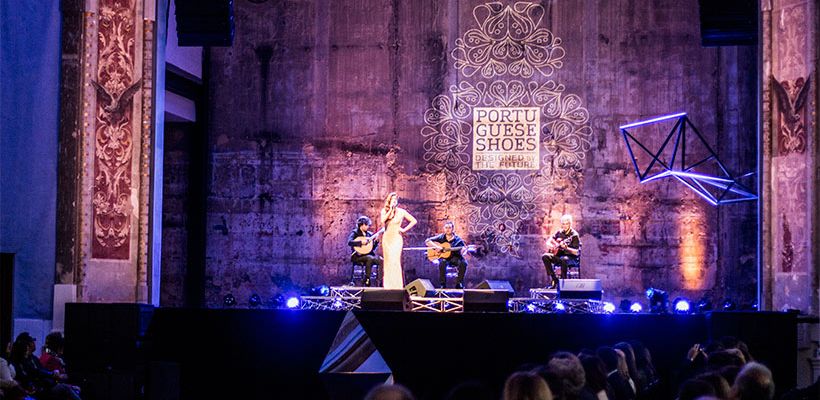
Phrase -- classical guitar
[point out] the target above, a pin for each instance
(445, 251)
(367, 243)
(554, 245)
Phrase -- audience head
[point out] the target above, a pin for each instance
(389, 392)
(718, 382)
(564, 375)
(724, 358)
(526, 386)
(754, 382)
(694, 388)
(55, 342)
(594, 372)
(609, 357)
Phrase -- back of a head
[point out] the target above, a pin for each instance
(754, 382)
(526, 386)
(694, 388)
(718, 382)
(389, 392)
(565, 375)
(594, 373)
(609, 357)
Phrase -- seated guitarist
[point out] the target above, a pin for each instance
(563, 248)
(456, 257)
(361, 236)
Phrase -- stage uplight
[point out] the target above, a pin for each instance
(292, 302)
(531, 308)
(636, 307)
(729, 305)
(321, 290)
(703, 305)
(254, 300)
(560, 307)
(682, 305)
(229, 300)
(337, 304)
(609, 308)
(658, 300)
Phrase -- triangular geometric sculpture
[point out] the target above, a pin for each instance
(685, 156)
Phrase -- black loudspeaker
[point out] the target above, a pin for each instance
(421, 288)
(485, 300)
(204, 22)
(728, 22)
(386, 300)
(495, 285)
(587, 289)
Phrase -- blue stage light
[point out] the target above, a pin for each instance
(292, 302)
(703, 305)
(254, 300)
(560, 307)
(649, 121)
(609, 308)
(531, 308)
(229, 300)
(636, 307)
(682, 305)
(729, 305)
(337, 304)
(658, 300)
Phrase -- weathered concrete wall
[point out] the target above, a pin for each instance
(321, 108)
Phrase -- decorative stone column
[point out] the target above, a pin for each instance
(105, 237)
(790, 155)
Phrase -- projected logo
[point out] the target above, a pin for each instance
(506, 138)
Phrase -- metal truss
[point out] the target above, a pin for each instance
(345, 303)
(546, 294)
(694, 171)
(542, 301)
(437, 304)
(555, 306)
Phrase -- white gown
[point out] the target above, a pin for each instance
(392, 244)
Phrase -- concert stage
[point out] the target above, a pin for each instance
(316, 354)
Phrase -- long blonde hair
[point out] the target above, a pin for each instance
(389, 209)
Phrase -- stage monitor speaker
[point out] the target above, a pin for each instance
(495, 285)
(587, 289)
(421, 288)
(386, 300)
(204, 22)
(486, 300)
(728, 22)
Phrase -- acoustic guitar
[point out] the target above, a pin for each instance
(554, 245)
(434, 254)
(367, 243)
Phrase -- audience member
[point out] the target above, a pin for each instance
(618, 383)
(389, 392)
(526, 386)
(565, 376)
(721, 386)
(31, 374)
(753, 382)
(629, 355)
(695, 388)
(595, 376)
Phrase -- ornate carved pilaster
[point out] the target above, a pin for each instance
(789, 154)
(114, 152)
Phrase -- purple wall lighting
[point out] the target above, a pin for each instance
(685, 157)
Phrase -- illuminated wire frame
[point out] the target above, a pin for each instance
(717, 188)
